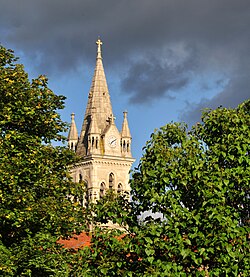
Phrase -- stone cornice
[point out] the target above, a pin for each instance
(104, 160)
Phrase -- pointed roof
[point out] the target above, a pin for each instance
(125, 133)
(73, 134)
(99, 99)
(93, 128)
(99, 93)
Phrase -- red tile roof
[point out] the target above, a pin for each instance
(77, 241)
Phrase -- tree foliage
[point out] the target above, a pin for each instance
(35, 207)
(198, 181)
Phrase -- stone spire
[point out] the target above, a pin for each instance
(125, 133)
(73, 135)
(125, 137)
(99, 99)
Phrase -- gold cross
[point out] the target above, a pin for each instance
(99, 43)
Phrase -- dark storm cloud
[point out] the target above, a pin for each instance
(147, 81)
(236, 91)
(152, 77)
(59, 34)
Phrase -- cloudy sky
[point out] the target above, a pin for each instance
(165, 60)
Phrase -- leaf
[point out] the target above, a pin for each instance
(149, 252)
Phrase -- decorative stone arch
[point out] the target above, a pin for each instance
(84, 199)
(86, 185)
(111, 181)
(102, 190)
(119, 188)
(80, 176)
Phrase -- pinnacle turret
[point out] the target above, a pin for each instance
(93, 128)
(125, 133)
(125, 137)
(73, 134)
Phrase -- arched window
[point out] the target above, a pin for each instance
(102, 189)
(111, 181)
(127, 146)
(90, 196)
(119, 188)
(80, 178)
(96, 142)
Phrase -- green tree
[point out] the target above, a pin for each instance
(198, 181)
(35, 207)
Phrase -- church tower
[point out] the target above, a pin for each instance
(105, 151)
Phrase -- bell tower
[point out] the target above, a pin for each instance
(105, 151)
